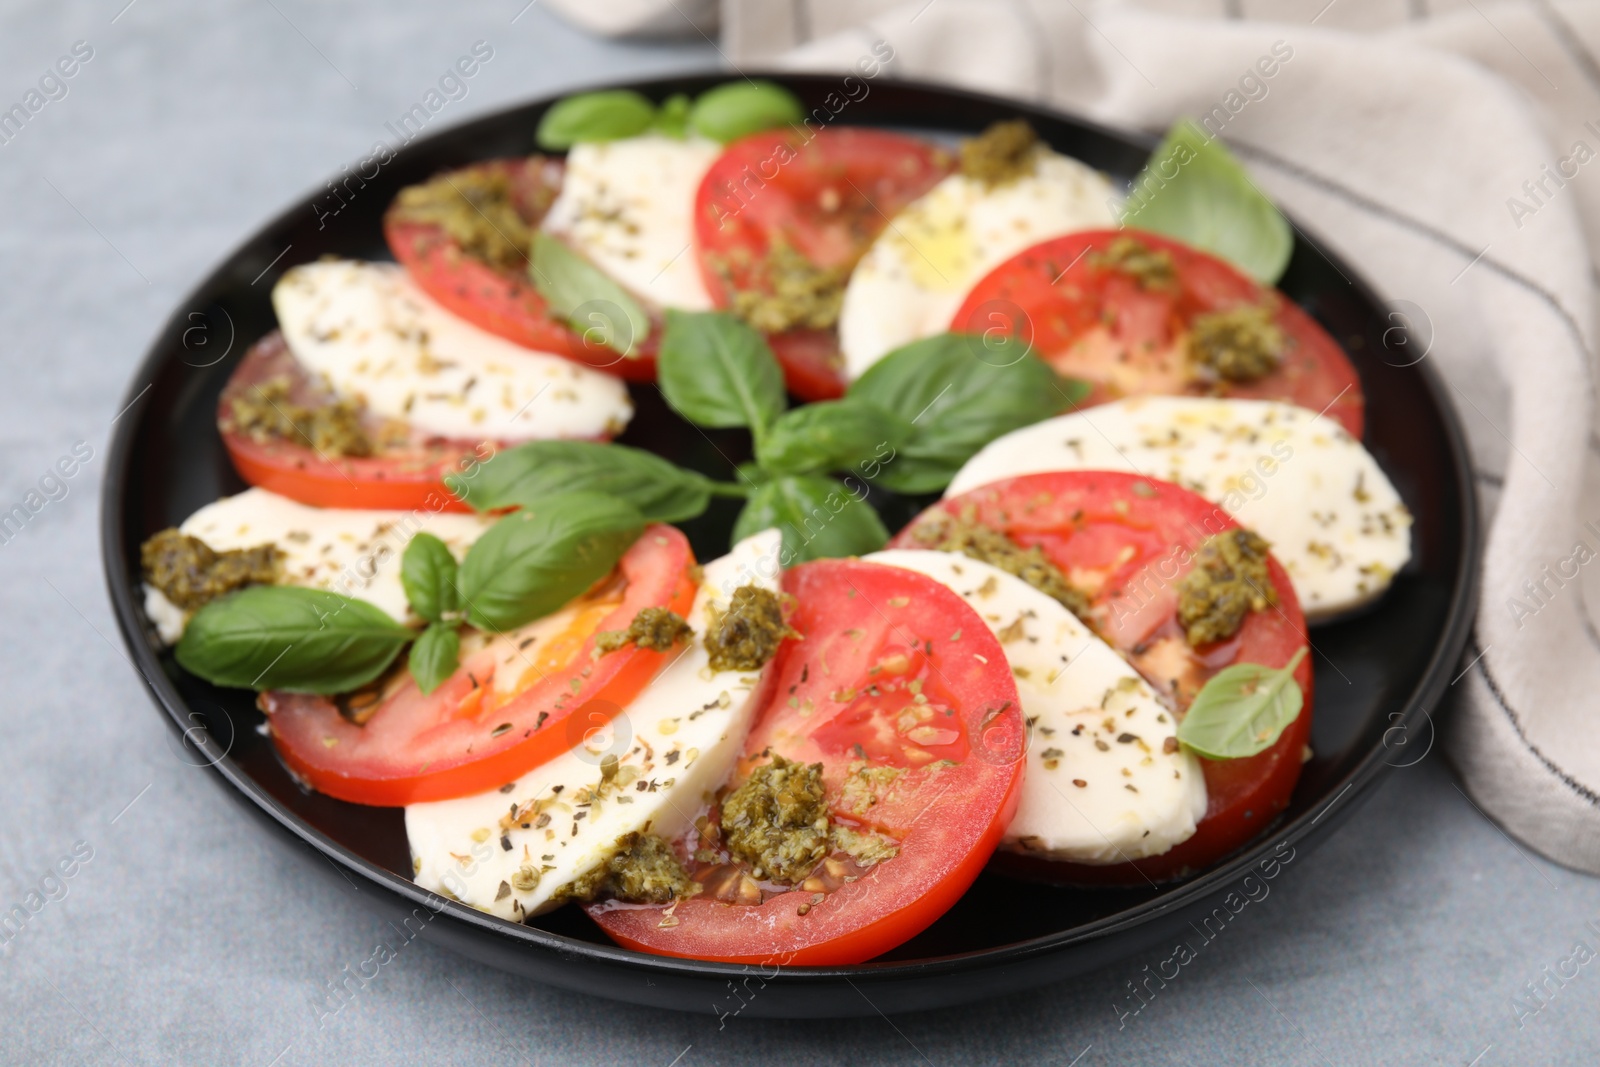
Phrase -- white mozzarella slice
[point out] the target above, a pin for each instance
(1102, 784)
(371, 334)
(675, 746)
(353, 552)
(628, 207)
(1298, 479)
(915, 276)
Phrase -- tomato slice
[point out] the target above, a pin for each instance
(1126, 541)
(1100, 323)
(405, 474)
(462, 738)
(826, 195)
(500, 298)
(876, 638)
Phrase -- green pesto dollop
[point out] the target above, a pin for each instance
(1229, 580)
(333, 429)
(748, 634)
(1151, 268)
(476, 207)
(866, 848)
(1001, 154)
(777, 821)
(787, 291)
(947, 533)
(1241, 344)
(191, 573)
(643, 870)
(657, 629)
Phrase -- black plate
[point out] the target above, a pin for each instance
(1376, 674)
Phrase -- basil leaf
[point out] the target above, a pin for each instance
(533, 561)
(818, 516)
(582, 294)
(435, 656)
(958, 392)
(290, 637)
(1195, 190)
(736, 109)
(1242, 709)
(529, 474)
(428, 575)
(608, 115)
(672, 119)
(717, 372)
(831, 435)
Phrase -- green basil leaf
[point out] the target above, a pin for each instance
(736, 109)
(958, 392)
(533, 561)
(672, 119)
(1242, 709)
(819, 518)
(1195, 190)
(529, 474)
(435, 656)
(608, 115)
(716, 371)
(831, 435)
(428, 575)
(290, 637)
(586, 297)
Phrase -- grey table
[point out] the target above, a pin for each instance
(182, 935)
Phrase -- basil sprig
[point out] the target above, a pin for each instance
(724, 113)
(830, 435)
(586, 298)
(428, 572)
(531, 473)
(819, 517)
(719, 373)
(1242, 710)
(290, 637)
(1195, 190)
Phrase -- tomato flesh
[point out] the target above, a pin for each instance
(827, 195)
(874, 639)
(457, 740)
(1127, 541)
(1099, 324)
(504, 302)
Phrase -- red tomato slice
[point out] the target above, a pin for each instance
(505, 302)
(827, 194)
(1126, 541)
(451, 742)
(900, 633)
(408, 476)
(1096, 323)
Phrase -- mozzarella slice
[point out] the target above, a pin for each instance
(1298, 479)
(372, 335)
(675, 746)
(628, 207)
(915, 276)
(1101, 785)
(356, 553)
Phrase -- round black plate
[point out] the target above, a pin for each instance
(1376, 674)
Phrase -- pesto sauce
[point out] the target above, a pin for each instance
(791, 292)
(643, 870)
(1003, 153)
(1152, 268)
(1229, 580)
(777, 821)
(947, 533)
(191, 574)
(747, 635)
(475, 207)
(333, 429)
(656, 629)
(1241, 344)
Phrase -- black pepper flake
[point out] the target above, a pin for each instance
(502, 728)
(543, 715)
(504, 891)
(508, 787)
(672, 757)
(1080, 783)
(1127, 739)
(542, 821)
(505, 842)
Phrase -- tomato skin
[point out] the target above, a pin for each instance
(501, 302)
(1099, 325)
(828, 194)
(1086, 521)
(944, 840)
(419, 748)
(407, 478)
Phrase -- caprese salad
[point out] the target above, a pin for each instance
(1087, 663)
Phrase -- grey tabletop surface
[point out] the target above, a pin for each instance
(1419, 934)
